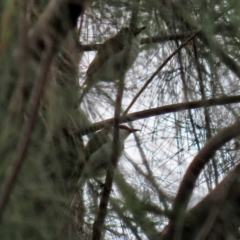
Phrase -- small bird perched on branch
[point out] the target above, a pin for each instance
(98, 152)
(109, 63)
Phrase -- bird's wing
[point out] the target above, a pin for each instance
(109, 48)
(97, 140)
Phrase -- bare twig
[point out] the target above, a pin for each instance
(99, 222)
(100, 218)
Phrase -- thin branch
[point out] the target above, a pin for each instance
(157, 71)
(120, 212)
(205, 109)
(162, 196)
(135, 10)
(100, 218)
(207, 39)
(102, 210)
(135, 206)
(28, 128)
(219, 52)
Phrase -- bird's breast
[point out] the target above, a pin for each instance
(99, 161)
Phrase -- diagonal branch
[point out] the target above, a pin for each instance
(192, 173)
(158, 70)
(177, 107)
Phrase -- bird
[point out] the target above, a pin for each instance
(98, 152)
(108, 64)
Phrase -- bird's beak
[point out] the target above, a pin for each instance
(136, 31)
(135, 130)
